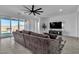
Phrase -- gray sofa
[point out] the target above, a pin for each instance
(38, 43)
(18, 36)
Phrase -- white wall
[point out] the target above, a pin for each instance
(78, 24)
(34, 24)
(70, 25)
(69, 22)
(44, 20)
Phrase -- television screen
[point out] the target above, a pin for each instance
(56, 25)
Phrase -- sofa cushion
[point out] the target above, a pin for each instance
(40, 35)
(39, 44)
(21, 31)
(17, 30)
(52, 36)
(26, 32)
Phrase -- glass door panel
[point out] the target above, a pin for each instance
(14, 25)
(21, 25)
(10, 25)
(5, 28)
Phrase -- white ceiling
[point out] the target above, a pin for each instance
(49, 10)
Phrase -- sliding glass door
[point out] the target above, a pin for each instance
(5, 28)
(21, 25)
(14, 25)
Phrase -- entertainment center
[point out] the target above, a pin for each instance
(55, 32)
(55, 28)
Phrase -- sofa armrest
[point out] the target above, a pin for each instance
(54, 46)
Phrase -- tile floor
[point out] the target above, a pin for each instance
(71, 46)
(9, 46)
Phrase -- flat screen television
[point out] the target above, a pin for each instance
(55, 25)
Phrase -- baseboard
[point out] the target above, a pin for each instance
(71, 37)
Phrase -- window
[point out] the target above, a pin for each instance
(5, 27)
(10, 25)
(14, 25)
(21, 25)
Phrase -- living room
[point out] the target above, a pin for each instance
(53, 20)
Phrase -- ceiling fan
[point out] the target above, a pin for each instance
(33, 10)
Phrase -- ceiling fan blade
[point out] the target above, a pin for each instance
(30, 13)
(32, 7)
(34, 13)
(37, 13)
(27, 8)
(38, 9)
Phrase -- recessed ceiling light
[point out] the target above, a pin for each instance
(60, 10)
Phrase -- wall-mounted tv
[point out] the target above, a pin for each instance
(55, 25)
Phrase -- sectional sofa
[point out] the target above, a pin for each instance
(38, 43)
